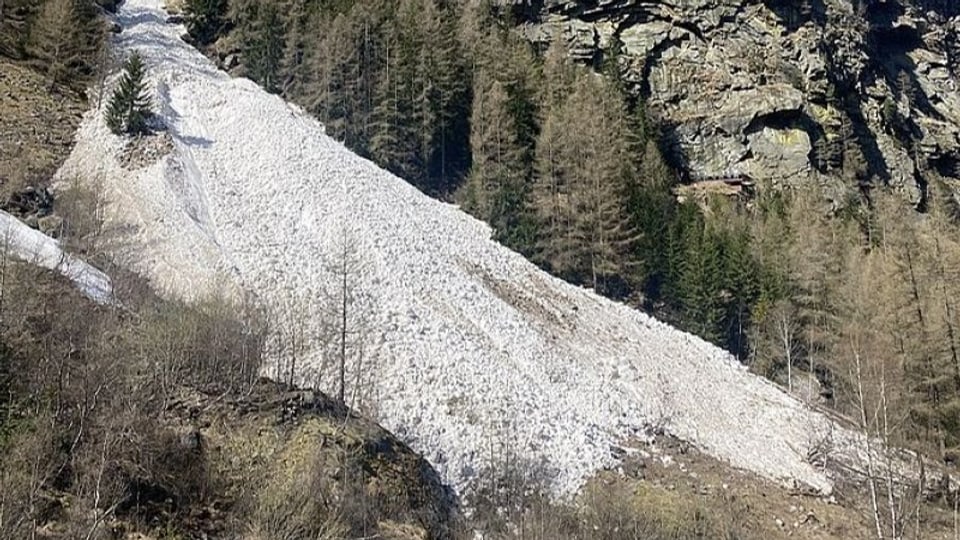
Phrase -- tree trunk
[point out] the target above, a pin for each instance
(343, 324)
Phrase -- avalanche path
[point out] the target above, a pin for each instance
(469, 347)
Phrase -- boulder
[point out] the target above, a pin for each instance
(231, 61)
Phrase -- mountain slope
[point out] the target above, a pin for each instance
(470, 353)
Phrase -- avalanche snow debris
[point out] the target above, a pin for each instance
(471, 350)
(32, 246)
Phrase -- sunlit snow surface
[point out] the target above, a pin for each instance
(19, 241)
(472, 350)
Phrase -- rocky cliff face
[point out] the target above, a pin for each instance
(843, 92)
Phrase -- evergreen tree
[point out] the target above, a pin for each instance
(651, 209)
(498, 179)
(393, 144)
(699, 283)
(741, 278)
(129, 109)
(503, 133)
(260, 33)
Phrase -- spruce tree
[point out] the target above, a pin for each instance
(393, 143)
(129, 109)
(260, 33)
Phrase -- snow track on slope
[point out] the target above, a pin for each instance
(472, 347)
(32, 246)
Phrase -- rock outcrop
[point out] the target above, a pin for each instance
(280, 459)
(861, 93)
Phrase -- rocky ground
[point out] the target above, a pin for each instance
(783, 91)
(275, 443)
(36, 135)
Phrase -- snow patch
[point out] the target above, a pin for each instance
(32, 246)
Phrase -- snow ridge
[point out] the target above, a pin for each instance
(473, 350)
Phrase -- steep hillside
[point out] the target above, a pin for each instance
(791, 92)
(464, 349)
(146, 419)
(37, 133)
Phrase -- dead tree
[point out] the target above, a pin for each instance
(347, 308)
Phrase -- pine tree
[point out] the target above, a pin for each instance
(651, 209)
(129, 110)
(741, 284)
(700, 282)
(393, 144)
(260, 32)
(451, 104)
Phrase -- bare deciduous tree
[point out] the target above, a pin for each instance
(346, 308)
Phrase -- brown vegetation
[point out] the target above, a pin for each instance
(37, 129)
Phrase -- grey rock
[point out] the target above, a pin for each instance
(191, 441)
(784, 150)
(752, 87)
(231, 61)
